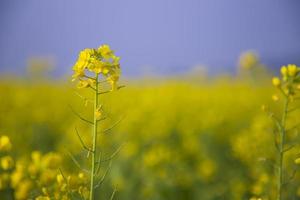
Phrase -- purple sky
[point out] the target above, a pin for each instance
(160, 36)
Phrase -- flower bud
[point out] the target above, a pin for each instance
(276, 81)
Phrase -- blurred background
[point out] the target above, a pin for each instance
(196, 72)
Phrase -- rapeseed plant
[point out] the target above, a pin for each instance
(287, 85)
(91, 66)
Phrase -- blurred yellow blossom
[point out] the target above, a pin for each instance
(276, 81)
(7, 162)
(60, 179)
(297, 161)
(292, 70)
(42, 198)
(23, 190)
(248, 60)
(5, 144)
(275, 97)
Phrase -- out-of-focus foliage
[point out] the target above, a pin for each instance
(180, 140)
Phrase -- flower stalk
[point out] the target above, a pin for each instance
(282, 133)
(94, 148)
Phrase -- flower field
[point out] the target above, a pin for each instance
(187, 137)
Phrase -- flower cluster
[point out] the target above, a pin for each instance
(98, 61)
(289, 82)
(39, 177)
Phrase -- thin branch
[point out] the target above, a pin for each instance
(104, 92)
(283, 93)
(102, 119)
(92, 88)
(112, 155)
(78, 115)
(76, 162)
(291, 177)
(293, 109)
(293, 127)
(277, 122)
(108, 91)
(99, 161)
(82, 143)
(120, 87)
(89, 77)
(276, 142)
(113, 126)
(289, 148)
(104, 81)
(113, 194)
(104, 176)
(82, 97)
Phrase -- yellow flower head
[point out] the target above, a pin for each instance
(42, 198)
(297, 161)
(81, 175)
(98, 61)
(7, 163)
(284, 71)
(275, 97)
(23, 191)
(5, 144)
(84, 59)
(17, 176)
(60, 179)
(105, 51)
(36, 156)
(51, 160)
(292, 70)
(99, 66)
(276, 81)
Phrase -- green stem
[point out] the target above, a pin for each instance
(94, 148)
(281, 149)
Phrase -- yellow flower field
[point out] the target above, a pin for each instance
(178, 138)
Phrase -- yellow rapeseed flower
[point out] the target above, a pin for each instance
(81, 175)
(292, 70)
(297, 161)
(98, 61)
(98, 67)
(17, 175)
(7, 162)
(60, 179)
(105, 51)
(113, 79)
(284, 71)
(5, 144)
(36, 156)
(275, 97)
(42, 198)
(23, 191)
(276, 81)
